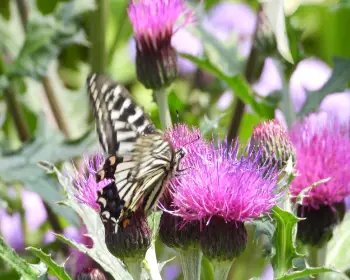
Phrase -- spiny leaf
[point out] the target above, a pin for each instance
(53, 268)
(99, 252)
(305, 273)
(283, 240)
(20, 265)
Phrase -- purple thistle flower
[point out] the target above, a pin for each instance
(153, 24)
(85, 181)
(221, 184)
(322, 151)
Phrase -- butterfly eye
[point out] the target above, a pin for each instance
(182, 153)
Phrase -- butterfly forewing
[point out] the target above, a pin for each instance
(119, 121)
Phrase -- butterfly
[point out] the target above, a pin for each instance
(141, 160)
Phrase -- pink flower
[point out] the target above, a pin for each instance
(153, 23)
(85, 181)
(322, 151)
(153, 20)
(220, 183)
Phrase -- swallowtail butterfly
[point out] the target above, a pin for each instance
(141, 161)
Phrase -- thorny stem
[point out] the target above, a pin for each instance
(161, 98)
(191, 264)
(98, 19)
(250, 76)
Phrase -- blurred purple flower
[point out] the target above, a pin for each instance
(171, 271)
(268, 273)
(310, 75)
(228, 17)
(225, 100)
(322, 151)
(11, 230)
(185, 42)
(270, 79)
(220, 184)
(85, 181)
(10, 225)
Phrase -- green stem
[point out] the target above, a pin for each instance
(55, 106)
(151, 264)
(221, 269)
(23, 12)
(161, 98)
(134, 268)
(317, 258)
(98, 20)
(14, 107)
(10, 256)
(191, 264)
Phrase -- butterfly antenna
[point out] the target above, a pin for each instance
(177, 116)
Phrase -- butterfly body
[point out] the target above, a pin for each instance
(141, 160)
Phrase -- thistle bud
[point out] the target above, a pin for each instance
(271, 139)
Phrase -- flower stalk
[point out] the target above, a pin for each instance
(161, 98)
(134, 268)
(191, 263)
(221, 269)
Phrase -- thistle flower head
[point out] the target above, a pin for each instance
(153, 20)
(153, 24)
(85, 181)
(222, 184)
(272, 140)
(322, 151)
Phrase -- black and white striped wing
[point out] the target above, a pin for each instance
(144, 173)
(119, 120)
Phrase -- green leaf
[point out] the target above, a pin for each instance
(96, 232)
(336, 83)
(283, 241)
(48, 145)
(53, 268)
(305, 273)
(20, 265)
(337, 253)
(45, 37)
(153, 222)
(237, 84)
